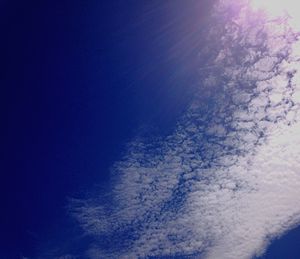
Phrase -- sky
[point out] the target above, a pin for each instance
(136, 129)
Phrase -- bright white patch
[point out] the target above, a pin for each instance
(275, 8)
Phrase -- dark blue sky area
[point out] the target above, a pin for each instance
(80, 79)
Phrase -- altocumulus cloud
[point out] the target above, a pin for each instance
(227, 180)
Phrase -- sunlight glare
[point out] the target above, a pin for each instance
(275, 8)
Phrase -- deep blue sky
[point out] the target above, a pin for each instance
(80, 78)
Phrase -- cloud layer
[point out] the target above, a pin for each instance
(227, 180)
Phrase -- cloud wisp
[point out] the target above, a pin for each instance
(227, 180)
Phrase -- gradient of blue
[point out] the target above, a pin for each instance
(80, 78)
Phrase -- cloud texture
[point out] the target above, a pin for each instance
(227, 180)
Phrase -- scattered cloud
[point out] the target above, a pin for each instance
(227, 181)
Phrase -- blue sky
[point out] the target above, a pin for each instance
(114, 109)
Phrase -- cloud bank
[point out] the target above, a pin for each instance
(227, 181)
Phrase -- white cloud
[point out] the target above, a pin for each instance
(227, 180)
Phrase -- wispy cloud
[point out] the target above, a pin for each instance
(227, 180)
